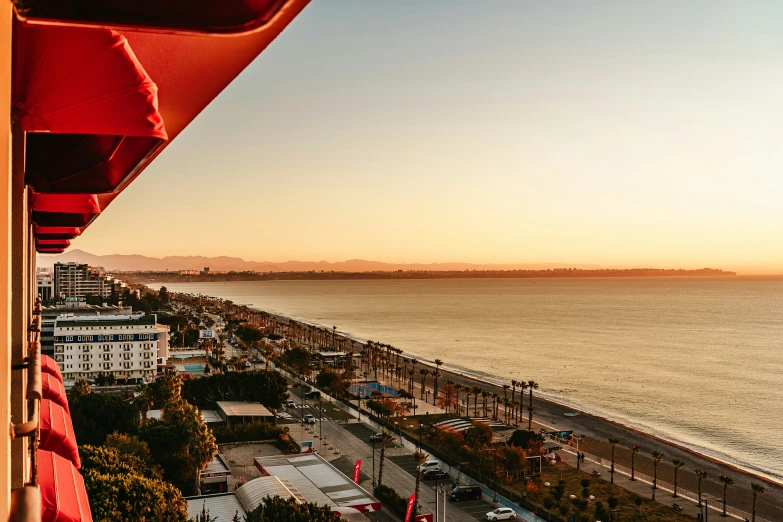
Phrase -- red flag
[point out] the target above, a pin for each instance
(411, 503)
(357, 469)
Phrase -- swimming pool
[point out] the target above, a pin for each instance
(194, 369)
(366, 389)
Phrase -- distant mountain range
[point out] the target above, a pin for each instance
(129, 263)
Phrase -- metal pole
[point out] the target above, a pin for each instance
(437, 498)
(320, 419)
(373, 462)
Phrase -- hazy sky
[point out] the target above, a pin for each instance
(614, 132)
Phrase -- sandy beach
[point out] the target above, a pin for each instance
(596, 431)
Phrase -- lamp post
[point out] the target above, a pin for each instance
(373, 462)
(320, 420)
(397, 427)
(420, 427)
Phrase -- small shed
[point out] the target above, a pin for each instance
(216, 477)
(240, 412)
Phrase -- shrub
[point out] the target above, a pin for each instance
(277, 509)
(549, 502)
(391, 499)
(130, 498)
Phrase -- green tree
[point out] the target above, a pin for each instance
(96, 415)
(700, 476)
(276, 509)
(130, 445)
(613, 442)
(634, 450)
(181, 443)
(657, 458)
(110, 461)
(727, 481)
(128, 497)
(677, 465)
(757, 489)
(297, 358)
(419, 458)
(523, 438)
(479, 435)
(386, 439)
(80, 389)
(204, 515)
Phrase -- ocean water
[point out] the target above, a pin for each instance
(694, 360)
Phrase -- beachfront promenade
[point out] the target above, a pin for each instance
(642, 486)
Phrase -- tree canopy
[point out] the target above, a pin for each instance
(267, 388)
(95, 415)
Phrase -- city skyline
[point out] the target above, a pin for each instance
(610, 134)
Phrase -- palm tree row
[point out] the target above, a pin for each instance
(657, 458)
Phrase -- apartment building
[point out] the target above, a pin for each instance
(73, 309)
(129, 347)
(44, 284)
(74, 280)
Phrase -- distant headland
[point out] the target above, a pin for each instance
(185, 276)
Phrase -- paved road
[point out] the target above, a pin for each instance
(341, 442)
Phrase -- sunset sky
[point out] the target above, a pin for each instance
(608, 132)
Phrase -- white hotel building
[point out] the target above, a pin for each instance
(129, 347)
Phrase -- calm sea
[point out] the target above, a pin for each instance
(695, 360)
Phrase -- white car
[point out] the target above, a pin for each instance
(502, 514)
(309, 419)
(290, 404)
(430, 464)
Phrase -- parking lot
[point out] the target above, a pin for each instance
(364, 432)
(478, 509)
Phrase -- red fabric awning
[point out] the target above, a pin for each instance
(56, 232)
(48, 365)
(50, 250)
(52, 243)
(89, 106)
(64, 210)
(57, 432)
(211, 16)
(54, 390)
(63, 495)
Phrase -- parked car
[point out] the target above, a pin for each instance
(434, 474)
(313, 395)
(309, 419)
(465, 493)
(502, 514)
(430, 464)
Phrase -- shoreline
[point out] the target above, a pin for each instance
(468, 374)
(596, 429)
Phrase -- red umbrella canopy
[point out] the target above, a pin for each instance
(63, 496)
(64, 210)
(48, 365)
(72, 80)
(57, 432)
(56, 232)
(54, 390)
(90, 109)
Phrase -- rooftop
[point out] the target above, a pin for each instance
(111, 320)
(243, 409)
(319, 482)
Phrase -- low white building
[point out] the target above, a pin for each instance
(129, 347)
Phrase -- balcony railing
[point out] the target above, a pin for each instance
(26, 501)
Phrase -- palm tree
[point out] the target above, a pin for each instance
(522, 387)
(386, 438)
(424, 372)
(513, 390)
(413, 371)
(677, 465)
(485, 395)
(634, 450)
(495, 406)
(468, 393)
(727, 481)
(613, 441)
(436, 374)
(532, 385)
(476, 393)
(458, 387)
(419, 458)
(758, 489)
(506, 404)
(657, 458)
(701, 475)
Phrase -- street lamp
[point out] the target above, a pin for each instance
(420, 427)
(320, 420)
(373, 462)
